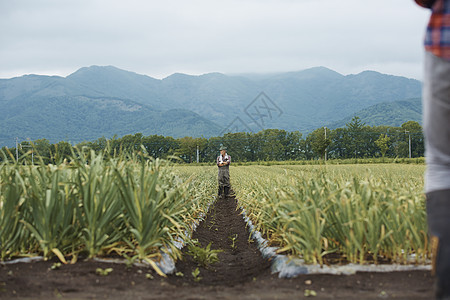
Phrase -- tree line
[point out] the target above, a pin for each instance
(355, 140)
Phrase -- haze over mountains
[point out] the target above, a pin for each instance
(104, 101)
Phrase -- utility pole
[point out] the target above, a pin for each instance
(325, 142)
(409, 145)
(197, 154)
(17, 149)
(409, 138)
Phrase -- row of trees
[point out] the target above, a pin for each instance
(355, 140)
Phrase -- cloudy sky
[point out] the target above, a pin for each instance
(159, 38)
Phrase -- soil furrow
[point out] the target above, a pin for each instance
(240, 260)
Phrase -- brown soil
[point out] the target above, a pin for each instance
(241, 273)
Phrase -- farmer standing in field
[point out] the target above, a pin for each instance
(223, 162)
(436, 120)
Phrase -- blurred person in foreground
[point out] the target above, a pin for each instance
(223, 162)
(436, 119)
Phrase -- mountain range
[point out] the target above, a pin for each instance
(387, 113)
(101, 101)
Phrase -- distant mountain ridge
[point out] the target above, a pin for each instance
(102, 101)
(387, 113)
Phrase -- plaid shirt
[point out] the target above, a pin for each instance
(228, 159)
(437, 37)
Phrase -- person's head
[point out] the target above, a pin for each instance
(223, 150)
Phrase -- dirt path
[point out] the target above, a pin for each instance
(226, 230)
(241, 273)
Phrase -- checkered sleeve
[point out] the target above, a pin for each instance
(437, 37)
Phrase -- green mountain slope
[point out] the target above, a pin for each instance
(79, 118)
(320, 96)
(387, 113)
(103, 101)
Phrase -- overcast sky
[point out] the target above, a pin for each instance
(159, 38)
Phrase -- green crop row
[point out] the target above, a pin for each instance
(97, 205)
(363, 214)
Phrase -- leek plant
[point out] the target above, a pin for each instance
(12, 233)
(100, 209)
(151, 199)
(52, 202)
